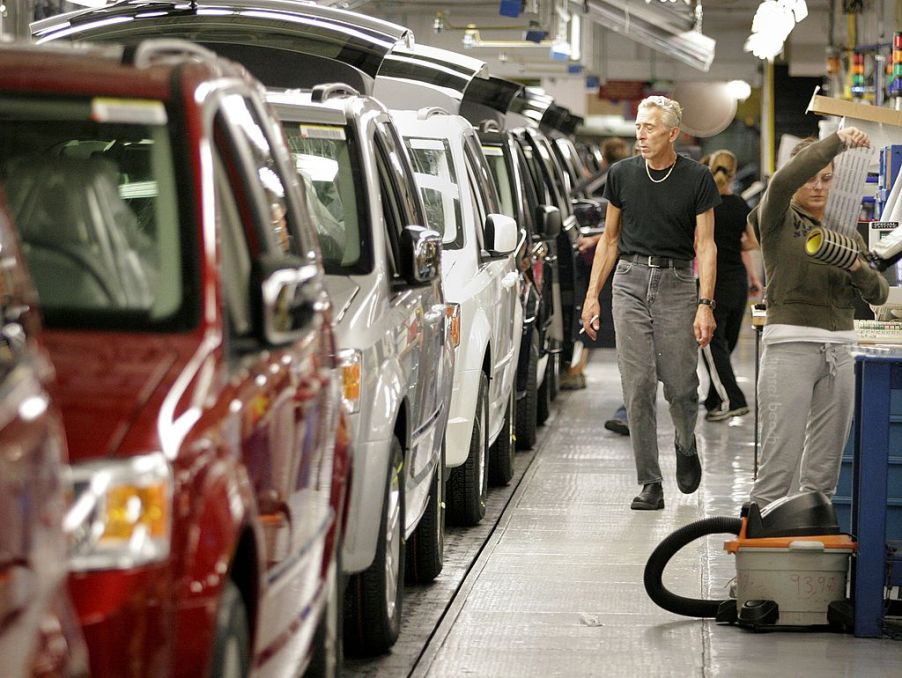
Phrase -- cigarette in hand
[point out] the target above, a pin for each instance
(591, 322)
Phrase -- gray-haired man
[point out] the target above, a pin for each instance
(660, 217)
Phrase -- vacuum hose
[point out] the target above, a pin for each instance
(657, 561)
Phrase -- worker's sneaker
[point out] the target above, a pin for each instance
(620, 426)
(688, 471)
(723, 415)
(651, 498)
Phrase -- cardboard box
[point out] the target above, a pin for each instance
(848, 109)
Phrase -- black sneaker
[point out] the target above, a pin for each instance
(651, 498)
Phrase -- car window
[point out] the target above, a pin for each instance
(92, 188)
(331, 176)
(276, 227)
(409, 205)
(391, 206)
(494, 155)
(435, 175)
(480, 168)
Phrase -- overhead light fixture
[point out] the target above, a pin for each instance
(773, 22)
(739, 89)
(576, 37)
(679, 38)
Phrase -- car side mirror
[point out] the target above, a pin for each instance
(548, 221)
(587, 212)
(286, 291)
(500, 234)
(421, 255)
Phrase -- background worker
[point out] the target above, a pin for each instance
(660, 216)
(806, 383)
(733, 235)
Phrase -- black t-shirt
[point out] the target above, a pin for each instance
(729, 225)
(658, 219)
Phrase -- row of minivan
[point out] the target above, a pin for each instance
(284, 347)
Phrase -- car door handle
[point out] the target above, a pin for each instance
(510, 280)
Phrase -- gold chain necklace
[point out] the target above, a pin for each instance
(658, 181)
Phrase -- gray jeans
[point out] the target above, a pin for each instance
(653, 310)
(806, 400)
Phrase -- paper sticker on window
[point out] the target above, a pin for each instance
(135, 111)
(322, 132)
(492, 151)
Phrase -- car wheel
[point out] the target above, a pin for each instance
(373, 598)
(468, 485)
(232, 643)
(501, 454)
(543, 396)
(554, 360)
(426, 546)
(328, 654)
(526, 406)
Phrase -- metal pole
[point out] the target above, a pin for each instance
(768, 143)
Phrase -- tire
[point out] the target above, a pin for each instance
(373, 600)
(501, 453)
(543, 395)
(468, 485)
(526, 406)
(426, 546)
(554, 360)
(328, 653)
(232, 641)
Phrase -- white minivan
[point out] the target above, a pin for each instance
(482, 284)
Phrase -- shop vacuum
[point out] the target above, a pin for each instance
(791, 566)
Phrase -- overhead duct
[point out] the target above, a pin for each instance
(669, 29)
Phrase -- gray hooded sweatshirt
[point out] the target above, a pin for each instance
(800, 289)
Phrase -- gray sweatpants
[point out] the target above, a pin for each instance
(806, 399)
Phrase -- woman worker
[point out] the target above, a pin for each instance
(806, 382)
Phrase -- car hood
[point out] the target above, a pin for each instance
(102, 386)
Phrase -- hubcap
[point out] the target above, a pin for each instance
(393, 542)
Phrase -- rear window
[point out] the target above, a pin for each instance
(437, 181)
(92, 187)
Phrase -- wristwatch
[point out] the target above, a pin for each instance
(708, 302)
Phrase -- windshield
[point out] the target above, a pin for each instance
(434, 172)
(91, 184)
(324, 162)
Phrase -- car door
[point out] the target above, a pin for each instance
(32, 544)
(280, 399)
(421, 308)
(501, 269)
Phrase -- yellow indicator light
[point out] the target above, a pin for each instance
(452, 313)
(350, 379)
(131, 509)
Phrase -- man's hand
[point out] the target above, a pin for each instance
(704, 325)
(591, 318)
(587, 242)
(853, 137)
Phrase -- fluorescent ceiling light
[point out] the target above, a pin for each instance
(661, 31)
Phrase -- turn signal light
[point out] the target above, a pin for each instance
(452, 313)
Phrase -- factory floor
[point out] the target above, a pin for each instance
(552, 583)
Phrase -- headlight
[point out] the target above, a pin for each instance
(351, 363)
(121, 513)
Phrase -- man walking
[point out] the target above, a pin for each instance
(660, 216)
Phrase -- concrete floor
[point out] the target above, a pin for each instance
(551, 583)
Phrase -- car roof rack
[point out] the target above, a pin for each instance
(161, 50)
(430, 111)
(320, 93)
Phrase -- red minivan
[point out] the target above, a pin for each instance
(39, 634)
(182, 291)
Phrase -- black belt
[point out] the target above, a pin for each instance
(656, 262)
